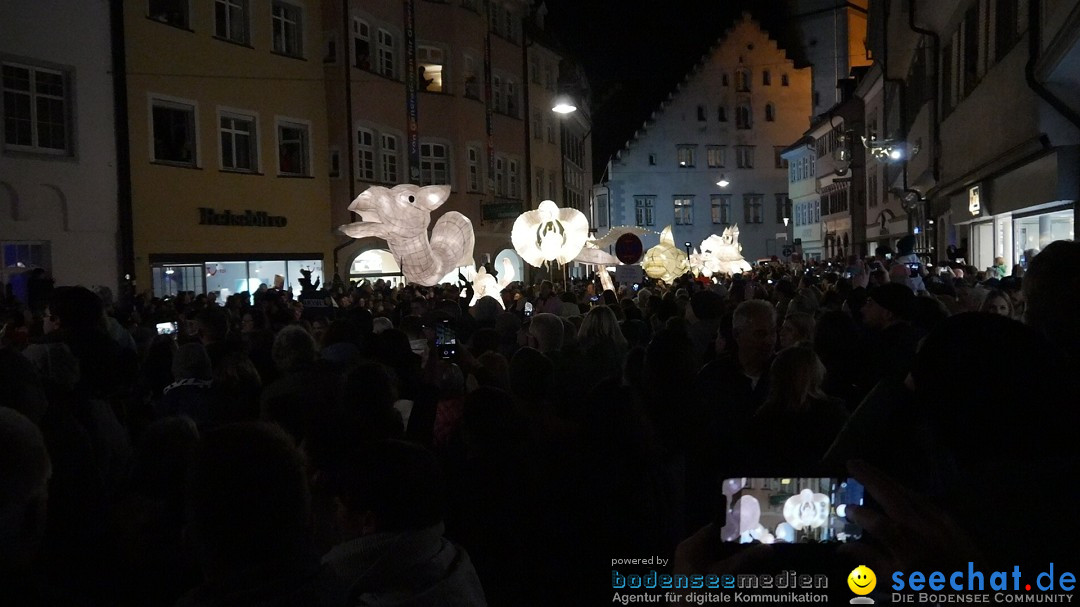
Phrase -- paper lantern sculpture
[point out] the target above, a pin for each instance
(549, 234)
(485, 284)
(400, 216)
(807, 510)
(665, 261)
(720, 255)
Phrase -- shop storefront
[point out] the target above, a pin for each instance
(229, 274)
(1015, 215)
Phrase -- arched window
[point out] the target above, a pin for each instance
(743, 116)
(742, 80)
(770, 112)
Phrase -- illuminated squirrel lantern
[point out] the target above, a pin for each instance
(400, 216)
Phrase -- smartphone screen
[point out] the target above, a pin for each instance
(445, 340)
(166, 328)
(528, 308)
(913, 269)
(790, 510)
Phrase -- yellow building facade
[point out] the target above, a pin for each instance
(230, 168)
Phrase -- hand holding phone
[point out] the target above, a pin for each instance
(445, 340)
(789, 510)
(166, 328)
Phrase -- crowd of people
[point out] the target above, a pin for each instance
(406, 446)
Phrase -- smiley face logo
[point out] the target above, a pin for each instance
(862, 580)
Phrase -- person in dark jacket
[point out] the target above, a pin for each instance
(391, 498)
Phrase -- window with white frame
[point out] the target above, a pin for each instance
(514, 179)
(539, 176)
(474, 163)
(361, 44)
(715, 156)
(231, 20)
(684, 210)
(389, 153)
(496, 93)
(500, 176)
(172, 12)
(174, 132)
(782, 207)
(386, 64)
(601, 210)
(365, 154)
(431, 61)
(36, 105)
(288, 28)
(721, 208)
(239, 146)
(744, 156)
(685, 155)
(643, 210)
(752, 211)
(434, 164)
(294, 149)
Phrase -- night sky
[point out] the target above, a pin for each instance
(635, 51)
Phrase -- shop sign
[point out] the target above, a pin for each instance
(249, 218)
(974, 200)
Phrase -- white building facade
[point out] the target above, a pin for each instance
(58, 179)
(805, 201)
(727, 123)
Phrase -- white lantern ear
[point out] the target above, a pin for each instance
(432, 197)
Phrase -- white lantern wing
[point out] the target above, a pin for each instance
(549, 234)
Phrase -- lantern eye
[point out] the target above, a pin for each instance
(412, 198)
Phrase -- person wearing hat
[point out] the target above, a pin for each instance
(892, 339)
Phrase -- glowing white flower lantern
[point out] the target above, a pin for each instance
(807, 510)
(720, 255)
(549, 234)
(665, 261)
(486, 285)
(400, 216)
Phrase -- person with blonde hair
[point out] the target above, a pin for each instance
(601, 342)
(798, 421)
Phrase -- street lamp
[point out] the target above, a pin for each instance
(687, 245)
(563, 105)
(723, 182)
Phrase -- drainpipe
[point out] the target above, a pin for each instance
(935, 123)
(347, 63)
(1034, 51)
(125, 207)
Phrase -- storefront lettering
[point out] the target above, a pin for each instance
(259, 219)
